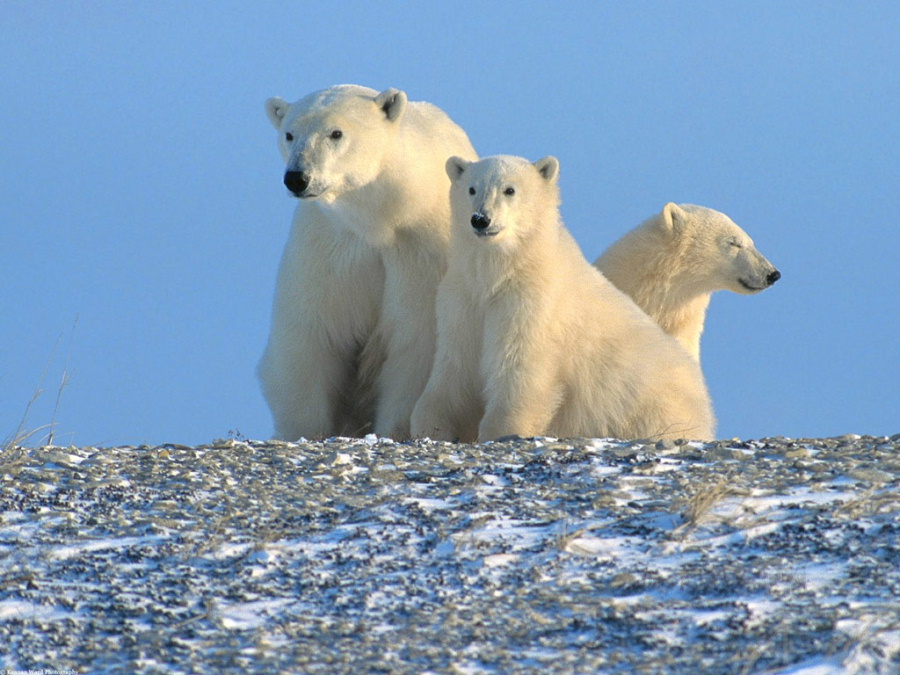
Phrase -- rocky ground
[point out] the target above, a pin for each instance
(779, 556)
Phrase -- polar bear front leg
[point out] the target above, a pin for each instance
(302, 385)
(518, 405)
(401, 383)
(522, 394)
(327, 298)
(451, 407)
(431, 417)
(407, 327)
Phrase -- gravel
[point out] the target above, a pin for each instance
(778, 556)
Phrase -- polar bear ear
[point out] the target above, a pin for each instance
(276, 109)
(455, 167)
(548, 167)
(392, 102)
(673, 217)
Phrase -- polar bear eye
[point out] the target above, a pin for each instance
(289, 136)
(471, 191)
(735, 243)
(336, 134)
(510, 191)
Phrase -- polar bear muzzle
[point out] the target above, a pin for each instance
(756, 285)
(297, 182)
(480, 221)
(481, 224)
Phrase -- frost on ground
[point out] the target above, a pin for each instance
(522, 556)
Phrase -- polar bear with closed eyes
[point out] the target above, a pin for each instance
(671, 264)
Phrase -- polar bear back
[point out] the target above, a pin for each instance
(615, 358)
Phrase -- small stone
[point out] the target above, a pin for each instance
(725, 454)
(45, 488)
(623, 579)
(559, 447)
(626, 453)
(875, 476)
(797, 453)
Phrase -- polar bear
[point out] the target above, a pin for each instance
(672, 263)
(532, 339)
(353, 321)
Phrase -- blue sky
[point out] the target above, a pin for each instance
(142, 213)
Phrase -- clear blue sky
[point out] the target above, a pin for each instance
(142, 194)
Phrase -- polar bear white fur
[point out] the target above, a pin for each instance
(672, 263)
(353, 323)
(532, 339)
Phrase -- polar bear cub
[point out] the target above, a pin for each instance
(672, 263)
(532, 339)
(353, 321)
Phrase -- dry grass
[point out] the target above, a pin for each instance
(697, 507)
(12, 446)
(871, 503)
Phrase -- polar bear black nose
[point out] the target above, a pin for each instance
(296, 181)
(480, 221)
(772, 277)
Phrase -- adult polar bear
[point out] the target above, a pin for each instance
(532, 339)
(353, 317)
(671, 264)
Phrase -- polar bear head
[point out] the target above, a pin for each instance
(502, 199)
(335, 140)
(710, 249)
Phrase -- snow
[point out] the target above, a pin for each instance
(249, 615)
(14, 609)
(527, 556)
(80, 549)
(816, 666)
